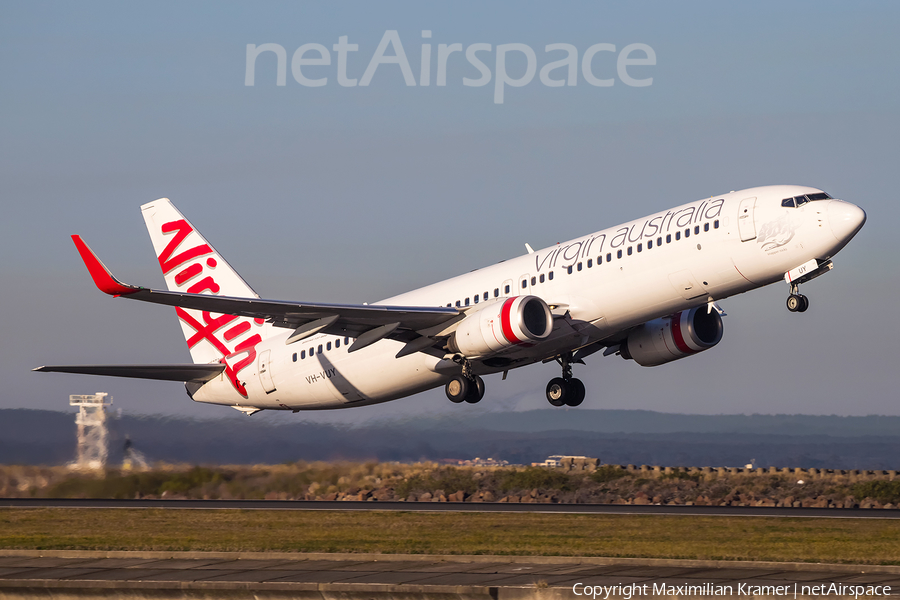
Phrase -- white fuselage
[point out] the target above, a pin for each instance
(600, 285)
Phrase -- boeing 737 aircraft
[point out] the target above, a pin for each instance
(645, 290)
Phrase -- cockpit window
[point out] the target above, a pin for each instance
(801, 200)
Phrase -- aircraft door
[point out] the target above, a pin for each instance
(265, 371)
(746, 226)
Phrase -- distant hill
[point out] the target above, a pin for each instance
(645, 421)
(615, 436)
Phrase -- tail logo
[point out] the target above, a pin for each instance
(228, 334)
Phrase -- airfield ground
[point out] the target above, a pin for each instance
(855, 541)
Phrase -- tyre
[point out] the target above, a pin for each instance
(457, 389)
(794, 303)
(804, 303)
(576, 393)
(476, 391)
(557, 390)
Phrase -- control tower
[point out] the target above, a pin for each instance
(93, 436)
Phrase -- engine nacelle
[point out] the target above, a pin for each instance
(663, 340)
(502, 324)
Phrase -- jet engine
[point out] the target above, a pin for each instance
(502, 324)
(663, 340)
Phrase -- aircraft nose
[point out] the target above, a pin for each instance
(845, 219)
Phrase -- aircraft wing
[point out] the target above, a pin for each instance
(163, 372)
(369, 323)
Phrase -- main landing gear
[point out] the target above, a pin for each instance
(565, 390)
(797, 302)
(467, 387)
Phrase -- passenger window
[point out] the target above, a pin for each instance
(569, 269)
(337, 343)
(649, 244)
(677, 235)
(319, 349)
(295, 357)
(467, 301)
(629, 250)
(496, 292)
(477, 298)
(609, 256)
(659, 241)
(550, 276)
(696, 229)
(619, 254)
(668, 238)
(328, 346)
(485, 295)
(542, 278)
(590, 263)
(687, 232)
(347, 340)
(599, 260)
(506, 289)
(706, 227)
(302, 354)
(640, 247)
(579, 266)
(716, 224)
(312, 352)
(533, 280)
(458, 304)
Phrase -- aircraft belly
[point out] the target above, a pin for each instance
(341, 379)
(378, 376)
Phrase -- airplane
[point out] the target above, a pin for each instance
(646, 290)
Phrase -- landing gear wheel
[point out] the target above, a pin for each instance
(557, 391)
(795, 303)
(476, 390)
(457, 389)
(576, 393)
(804, 303)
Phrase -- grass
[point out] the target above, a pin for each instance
(857, 541)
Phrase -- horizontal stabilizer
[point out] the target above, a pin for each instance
(163, 372)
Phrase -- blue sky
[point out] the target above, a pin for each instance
(352, 194)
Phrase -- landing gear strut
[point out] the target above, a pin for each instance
(565, 390)
(797, 302)
(467, 387)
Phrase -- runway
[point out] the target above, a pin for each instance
(25, 575)
(602, 509)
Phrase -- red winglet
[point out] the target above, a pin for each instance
(100, 274)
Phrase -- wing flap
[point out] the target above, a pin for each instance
(184, 373)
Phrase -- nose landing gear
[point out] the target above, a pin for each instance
(797, 302)
(565, 390)
(808, 271)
